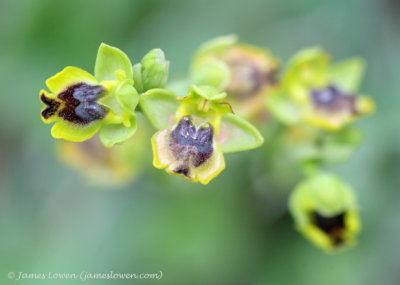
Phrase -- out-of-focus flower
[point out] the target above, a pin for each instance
(81, 104)
(107, 167)
(320, 93)
(195, 131)
(245, 72)
(325, 211)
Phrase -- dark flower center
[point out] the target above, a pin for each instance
(331, 99)
(80, 103)
(190, 145)
(332, 226)
(247, 79)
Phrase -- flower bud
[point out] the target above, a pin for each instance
(325, 211)
(154, 70)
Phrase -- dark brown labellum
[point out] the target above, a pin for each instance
(191, 146)
(332, 226)
(51, 106)
(80, 103)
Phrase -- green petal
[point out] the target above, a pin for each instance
(212, 72)
(159, 106)
(116, 133)
(307, 68)
(67, 77)
(73, 132)
(127, 97)
(109, 60)
(348, 74)
(208, 92)
(154, 69)
(237, 134)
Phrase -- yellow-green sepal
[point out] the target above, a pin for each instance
(69, 76)
(112, 134)
(237, 134)
(109, 60)
(159, 107)
(74, 132)
(210, 71)
(307, 69)
(348, 74)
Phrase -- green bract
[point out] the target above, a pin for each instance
(325, 211)
(320, 93)
(303, 143)
(81, 104)
(195, 131)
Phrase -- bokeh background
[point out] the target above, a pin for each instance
(237, 229)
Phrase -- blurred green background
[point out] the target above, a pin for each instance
(237, 229)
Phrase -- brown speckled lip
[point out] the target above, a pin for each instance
(80, 103)
(191, 146)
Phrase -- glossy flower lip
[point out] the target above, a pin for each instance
(73, 104)
(188, 151)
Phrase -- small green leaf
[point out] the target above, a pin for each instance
(116, 133)
(211, 72)
(127, 97)
(109, 60)
(348, 74)
(237, 134)
(154, 69)
(159, 106)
